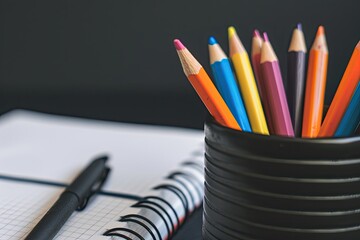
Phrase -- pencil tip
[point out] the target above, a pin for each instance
(299, 26)
(212, 41)
(178, 45)
(256, 33)
(266, 38)
(320, 31)
(231, 32)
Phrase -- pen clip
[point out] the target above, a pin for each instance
(95, 189)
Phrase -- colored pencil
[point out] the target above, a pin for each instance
(296, 78)
(315, 86)
(257, 43)
(205, 88)
(351, 118)
(276, 96)
(247, 84)
(226, 84)
(343, 95)
(357, 132)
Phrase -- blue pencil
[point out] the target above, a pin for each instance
(351, 118)
(226, 83)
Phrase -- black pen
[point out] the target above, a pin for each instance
(75, 197)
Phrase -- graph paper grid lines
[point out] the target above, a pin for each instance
(22, 205)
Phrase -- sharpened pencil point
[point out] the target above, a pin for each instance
(231, 32)
(266, 38)
(178, 45)
(297, 42)
(299, 26)
(256, 33)
(320, 31)
(212, 41)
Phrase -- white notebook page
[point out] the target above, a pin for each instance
(54, 148)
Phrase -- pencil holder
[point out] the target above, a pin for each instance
(278, 188)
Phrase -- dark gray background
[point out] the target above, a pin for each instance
(114, 59)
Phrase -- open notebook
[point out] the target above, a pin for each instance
(156, 177)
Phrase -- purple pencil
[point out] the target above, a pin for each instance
(276, 97)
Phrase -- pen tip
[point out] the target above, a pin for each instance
(212, 41)
(103, 158)
(266, 38)
(178, 44)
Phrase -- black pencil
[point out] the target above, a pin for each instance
(296, 78)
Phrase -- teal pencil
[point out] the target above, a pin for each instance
(351, 118)
(226, 83)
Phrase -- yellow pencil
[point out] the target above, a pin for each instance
(247, 83)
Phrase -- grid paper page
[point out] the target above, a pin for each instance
(22, 205)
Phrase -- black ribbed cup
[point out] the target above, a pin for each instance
(271, 187)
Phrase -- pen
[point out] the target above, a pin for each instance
(75, 197)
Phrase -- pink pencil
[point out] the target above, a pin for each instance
(275, 96)
(257, 43)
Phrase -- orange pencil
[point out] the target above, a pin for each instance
(342, 96)
(205, 88)
(315, 86)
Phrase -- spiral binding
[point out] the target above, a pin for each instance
(131, 216)
(157, 212)
(177, 192)
(185, 184)
(140, 223)
(188, 177)
(166, 203)
(111, 232)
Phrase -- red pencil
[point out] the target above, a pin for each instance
(257, 43)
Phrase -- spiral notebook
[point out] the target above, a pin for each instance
(155, 183)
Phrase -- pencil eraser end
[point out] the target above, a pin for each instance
(178, 45)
